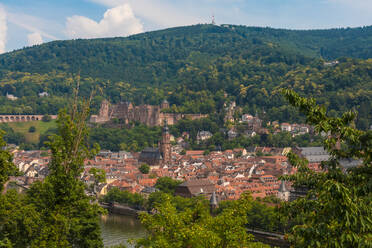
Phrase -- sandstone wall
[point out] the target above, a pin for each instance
(146, 114)
(23, 118)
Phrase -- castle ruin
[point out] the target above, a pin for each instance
(147, 114)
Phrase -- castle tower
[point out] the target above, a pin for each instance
(165, 145)
(164, 104)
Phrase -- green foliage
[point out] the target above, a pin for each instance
(336, 211)
(68, 217)
(7, 168)
(18, 132)
(46, 118)
(98, 174)
(219, 139)
(262, 215)
(167, 184)
(32, 129)
(19, 221)
(144, 169)
(118, 246)
(196, 227)
(180, 203)
(192, 67)
(10, 136)
(116, 139)
(55, 212)
(44, 137)
(124, 197)
(194, 126)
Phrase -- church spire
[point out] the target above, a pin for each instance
(165, 144)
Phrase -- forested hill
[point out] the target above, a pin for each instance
(114, 58)
(193, 67)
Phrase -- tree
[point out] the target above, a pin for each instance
(99, 177)
(18, 221)
(46, 118)
(68, 217)
(167, 184)
(196, 227)
(144, 169)
(124, 197)
(7, 168)
(32, 129)
(336, 211)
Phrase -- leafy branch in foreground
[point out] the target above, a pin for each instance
(336, 211)
(7, 168)
(55, 212)
(196, 227)
(69, 218)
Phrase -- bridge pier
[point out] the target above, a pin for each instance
(23, 118)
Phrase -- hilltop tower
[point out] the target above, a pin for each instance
(165, 145)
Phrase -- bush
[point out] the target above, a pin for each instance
(32, 129)
(46, 118)
(167, 184)
(144, 169)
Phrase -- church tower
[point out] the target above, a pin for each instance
(213, 203)
(283, 193)
(165, 145)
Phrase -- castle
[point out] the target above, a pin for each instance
(147, 114)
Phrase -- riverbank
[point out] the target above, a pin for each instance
(119, 229)
(116, 208)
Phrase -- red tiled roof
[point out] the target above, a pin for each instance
(198, 152)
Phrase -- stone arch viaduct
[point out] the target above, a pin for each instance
(23, 118)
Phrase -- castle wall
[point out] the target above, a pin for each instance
(103, 115)
(174, 118)
(146, 114)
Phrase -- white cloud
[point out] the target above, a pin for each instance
(34, 39)
(162, 13)
(31, 24)
(117, 21)
(3, 29)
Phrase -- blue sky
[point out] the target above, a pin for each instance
(29, 22)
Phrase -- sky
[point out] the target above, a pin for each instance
(32, 22)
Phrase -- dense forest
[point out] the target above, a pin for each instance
(197, 69)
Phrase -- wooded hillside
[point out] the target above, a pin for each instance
(194, 66)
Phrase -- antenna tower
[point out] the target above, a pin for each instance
(213, 20)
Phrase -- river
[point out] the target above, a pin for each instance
(118, 229)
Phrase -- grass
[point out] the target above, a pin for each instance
(41, 128)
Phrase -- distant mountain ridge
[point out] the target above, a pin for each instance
(88, 55)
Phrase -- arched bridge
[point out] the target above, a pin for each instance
(23, 118)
